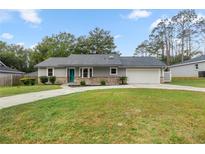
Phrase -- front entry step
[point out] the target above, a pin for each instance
(72, 84)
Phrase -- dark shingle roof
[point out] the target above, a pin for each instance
(101, 60)
(199, 58)
(82, 60)
(32, 74)
(193, 60)
(6, 69)
(53, 62)
(94, 60)
(141, 62)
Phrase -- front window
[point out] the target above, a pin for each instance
(113, 71)
(86, 72)
(50, 72)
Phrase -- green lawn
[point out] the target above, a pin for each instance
(195, 82)
(8, 91)
(108, 116)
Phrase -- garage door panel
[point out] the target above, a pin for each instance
(143, 76)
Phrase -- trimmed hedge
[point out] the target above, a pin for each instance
(28, 81)
(52, 79)
(123, 80)
(82, 83)
(43, 79)
(102, 82)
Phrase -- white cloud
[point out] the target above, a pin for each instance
(155, 23)
(200, 15)
(136, 14)
(4, 16)
(118, 36)
(33, 46)
(7, 36)
(30, 16)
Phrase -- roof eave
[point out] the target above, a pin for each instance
(182, 64)
(131, 66)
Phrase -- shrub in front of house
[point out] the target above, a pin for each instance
(102, 82)
(43, 79)
(28, 81)
(123, 80)
(82, 83)
(32, 81)
(52, 79)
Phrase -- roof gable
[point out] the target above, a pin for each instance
(6, 69)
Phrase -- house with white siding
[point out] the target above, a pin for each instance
(191, 68)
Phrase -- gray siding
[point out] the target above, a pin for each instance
(122, 72)
(42, 72)
(60, 72)
(105, 72)
(97, 71)
(188, 70)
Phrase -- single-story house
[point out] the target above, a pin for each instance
(5, 70)
(93, 68)
(191, 68)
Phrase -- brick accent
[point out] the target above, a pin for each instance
(97, 80)
(59, 80)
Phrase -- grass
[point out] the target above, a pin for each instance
(8, 91)
(108, 116)
(195, 82)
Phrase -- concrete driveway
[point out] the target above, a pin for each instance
(34, 96)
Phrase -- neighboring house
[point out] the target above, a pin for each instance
(32, 74)
(93, 68)
(5, 70)
(191, 68)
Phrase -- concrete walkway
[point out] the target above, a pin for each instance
(34, 96)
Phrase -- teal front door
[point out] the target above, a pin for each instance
(71, 75)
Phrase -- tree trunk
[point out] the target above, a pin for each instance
(182, 49)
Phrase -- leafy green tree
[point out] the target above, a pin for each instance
(58, 45)
(82, 45)
(14, 56)
(176, 37)
(143, 49)
(185, 26)
(201, 31)
(100, 41)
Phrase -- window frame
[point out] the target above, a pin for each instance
(52, 71)
(91, 68)
(111, 71)
(81, 72)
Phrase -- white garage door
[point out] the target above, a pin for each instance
(143, 76)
